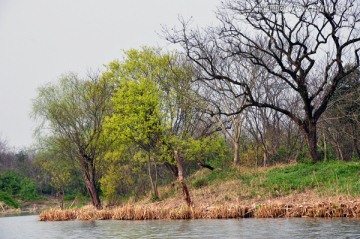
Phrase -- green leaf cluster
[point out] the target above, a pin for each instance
(13, 186)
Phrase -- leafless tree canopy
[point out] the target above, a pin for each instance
(302, 45)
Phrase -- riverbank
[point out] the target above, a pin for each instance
(38, 206)
(29, 207)
(329, 189)
(299, 205)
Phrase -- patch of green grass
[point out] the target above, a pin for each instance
(328, 178)
(69, 197)
(222, 174)
(334, 177)
(199, 182)
(155, 199)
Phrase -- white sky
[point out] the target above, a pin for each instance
(42, 39)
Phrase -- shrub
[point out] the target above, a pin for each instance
(8, 199)
(10, 182)
(15, 185)
(199, 182)
(28, 190)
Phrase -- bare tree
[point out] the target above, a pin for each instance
(308, 44)
(219, 96)
(6, 156)
(340, 124)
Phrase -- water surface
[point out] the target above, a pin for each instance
(30, 227)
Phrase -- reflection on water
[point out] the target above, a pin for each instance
(30, 227)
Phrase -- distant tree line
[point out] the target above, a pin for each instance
(18, 175)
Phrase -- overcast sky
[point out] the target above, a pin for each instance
(42, 39)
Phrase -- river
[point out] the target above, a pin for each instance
(30, 227)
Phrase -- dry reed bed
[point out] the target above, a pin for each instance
(154, 212)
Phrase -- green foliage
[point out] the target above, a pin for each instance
(220, 175)
(118, 179)
(211, 149)
(199, 182)
(28, 190)
(154, 199)
(145, 110)
(122, 174)
(69, 197)
(78, 199)
(10, 182)
(8, 199)
(13, 186)
(333, 176)
(136, 116)
(60, 173)
(328, 178)
(73, 111)
(136, 119)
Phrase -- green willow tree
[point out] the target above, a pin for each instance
(72, 111)
(60, 173)
(120, 175)
(137, 119)
(56, 166)
(154, 108)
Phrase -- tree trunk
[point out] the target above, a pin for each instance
(62, 194)
(89, 178)
(311, 139)
(298, 150)
(88, 173)
(340, 154)
(266, 157)
(236, 153)
(181, 178)
(153, 184)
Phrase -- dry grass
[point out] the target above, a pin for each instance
(299, 205)
(351, 209)
(5, 209)
(225, 198)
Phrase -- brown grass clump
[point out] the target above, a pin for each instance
(136, 212)
(155, 211)
(58, 215)
(328, 210)
(219, 201)
(104, 214)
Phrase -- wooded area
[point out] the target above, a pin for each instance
(262, 87)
